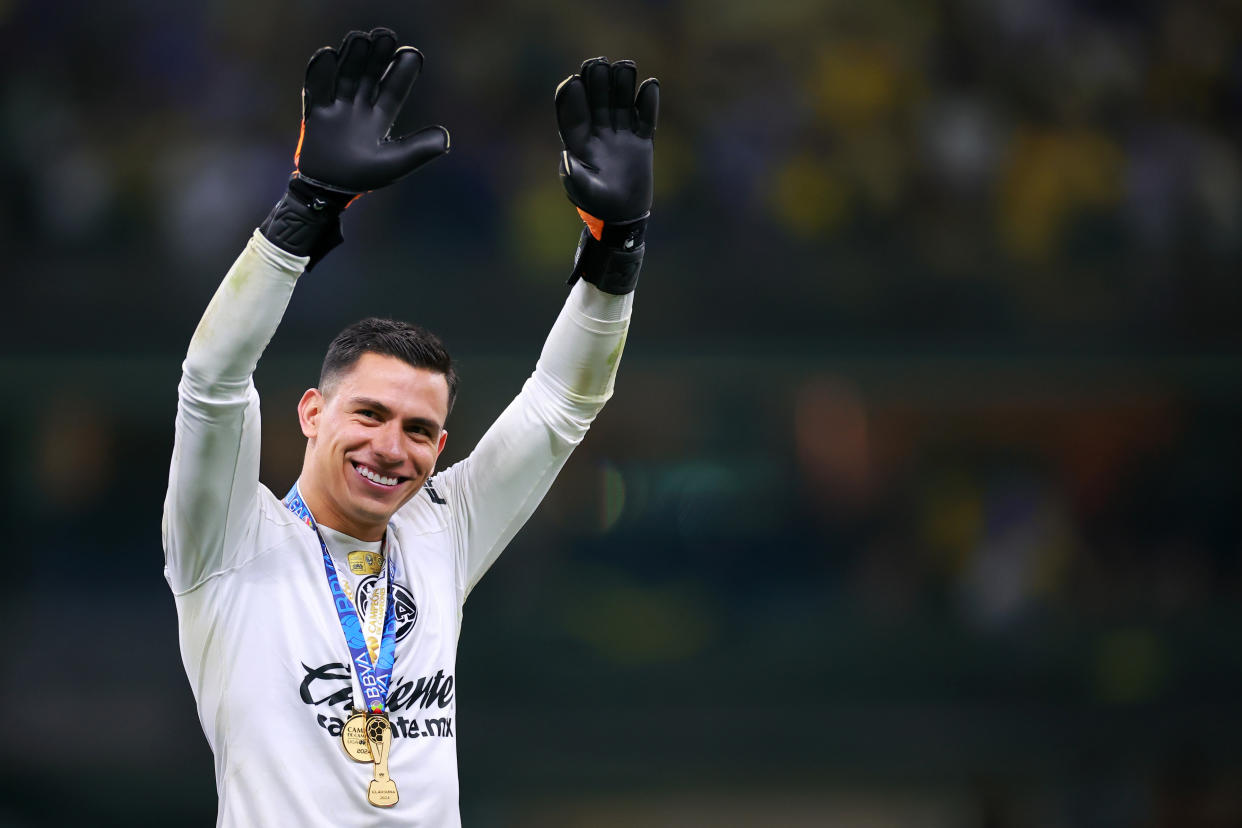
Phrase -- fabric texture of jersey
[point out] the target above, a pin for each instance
(260, 639)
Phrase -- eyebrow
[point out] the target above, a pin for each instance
(379, 408)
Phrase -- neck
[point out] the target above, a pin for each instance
(326, 514)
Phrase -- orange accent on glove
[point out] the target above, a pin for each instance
(297, 153)
(596, 226)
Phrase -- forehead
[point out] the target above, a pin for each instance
(406, 390)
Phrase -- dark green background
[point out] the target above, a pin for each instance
(918, 502)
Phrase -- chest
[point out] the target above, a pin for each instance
(280, 628)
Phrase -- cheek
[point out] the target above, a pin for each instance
(425, 454)
(348, 431)
(336, 437)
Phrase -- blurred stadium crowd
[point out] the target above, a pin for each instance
(924, 473)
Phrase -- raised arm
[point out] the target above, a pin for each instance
(607, 129)
(213, 480)
(350, 99)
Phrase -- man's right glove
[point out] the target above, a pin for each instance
(607, 131)
(350, 100)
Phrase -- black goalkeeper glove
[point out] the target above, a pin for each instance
(608, 134)
(350, 100)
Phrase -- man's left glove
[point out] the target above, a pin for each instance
(608, 133)
(350, 100)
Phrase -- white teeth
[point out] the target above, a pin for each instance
(378, 478)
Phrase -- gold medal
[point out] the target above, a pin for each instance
(382, 792)
(354, 738)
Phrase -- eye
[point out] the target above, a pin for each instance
(368, 413)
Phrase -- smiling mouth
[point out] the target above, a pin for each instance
(372, 476)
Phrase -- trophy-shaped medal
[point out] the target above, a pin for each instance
(382, 792)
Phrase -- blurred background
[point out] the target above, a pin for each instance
(919, 500)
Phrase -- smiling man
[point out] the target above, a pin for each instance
(319, 631)
(375, 425)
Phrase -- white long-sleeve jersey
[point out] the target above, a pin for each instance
(260, 637)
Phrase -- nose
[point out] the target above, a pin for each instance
(387, 443)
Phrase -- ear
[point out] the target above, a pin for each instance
(443, 440)
(310, 408)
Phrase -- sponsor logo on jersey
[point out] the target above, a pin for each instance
(330, 684)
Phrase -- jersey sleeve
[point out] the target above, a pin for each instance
(496, 489)
(213, 483)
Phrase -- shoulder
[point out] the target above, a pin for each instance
(275, 517)
(269, 528)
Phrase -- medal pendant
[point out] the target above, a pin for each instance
(382, 792)
(354, 738)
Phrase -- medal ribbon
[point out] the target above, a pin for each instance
(373, 678)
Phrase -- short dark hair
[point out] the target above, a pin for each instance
(409, 343)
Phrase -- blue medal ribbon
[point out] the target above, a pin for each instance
(373, 678)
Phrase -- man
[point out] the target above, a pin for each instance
(319, 633)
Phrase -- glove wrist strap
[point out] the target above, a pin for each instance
(307, 220)
(326, 190)
(613, 261)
